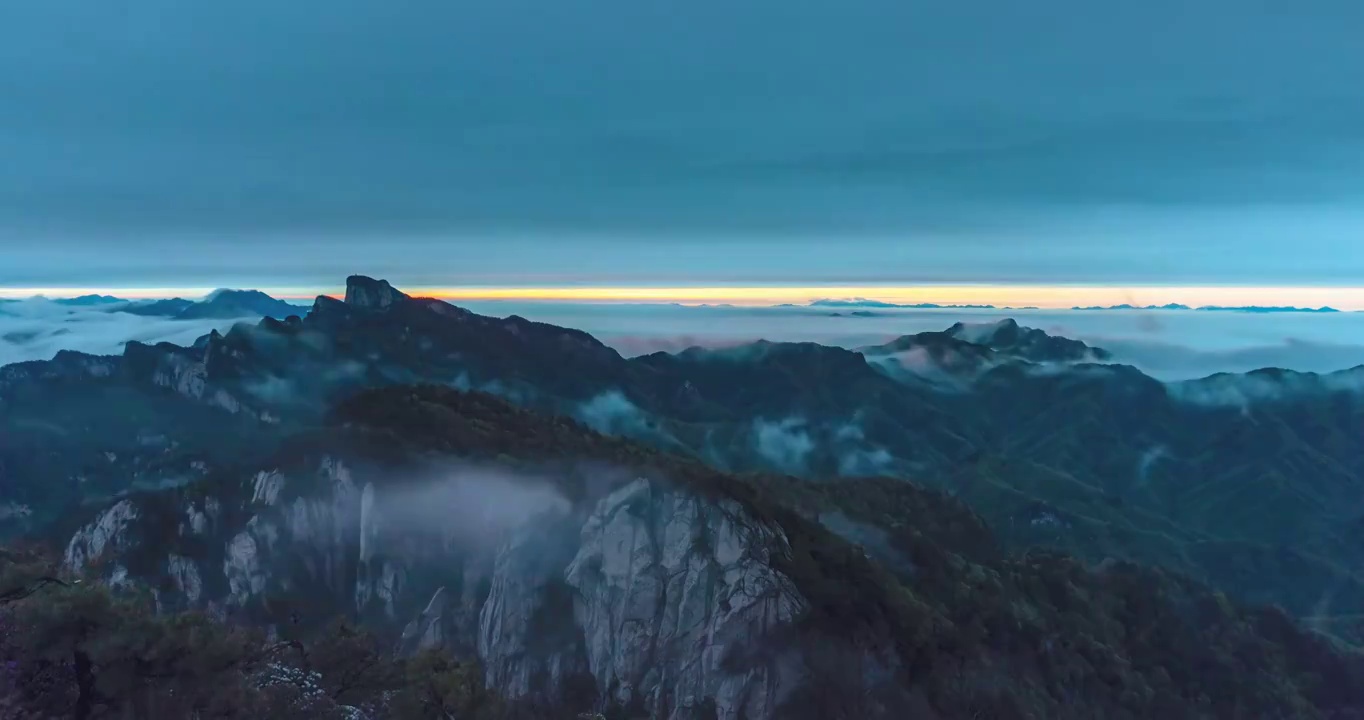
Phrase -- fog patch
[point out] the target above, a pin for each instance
(515, 394)
(1243, 391)
(611, 412)
(1085, 370)
(467, 503)
(1147, 461)
(856, 457)
(786, 443)
(272, 389)
(945, 371)
(850, 430)
(276, 390)
(864, 462)
(981, 333)
(37, 329)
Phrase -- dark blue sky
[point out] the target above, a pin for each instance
(276, 143)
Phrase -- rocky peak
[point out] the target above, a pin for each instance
(225, 303)
(1009, 338)
(366, 292)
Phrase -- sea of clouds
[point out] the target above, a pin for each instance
(37, 329)
(1168, 344)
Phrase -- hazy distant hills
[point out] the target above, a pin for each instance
(865, 303)
(1215, 308)
(1252, 482)
(90, 301)
(220, 304)
(879, 304)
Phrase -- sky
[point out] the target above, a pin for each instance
(860, 144)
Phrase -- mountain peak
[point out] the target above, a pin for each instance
(366, 292)
(1008, 337)
(90, 300)
(227, 303)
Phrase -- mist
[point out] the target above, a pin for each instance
(785, 443)
(1166, 344)
(468, 503)
(1170, 345)
(37, 329)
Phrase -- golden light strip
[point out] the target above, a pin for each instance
(1343, 298)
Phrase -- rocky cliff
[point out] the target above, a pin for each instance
(592, 574)
(659, 598)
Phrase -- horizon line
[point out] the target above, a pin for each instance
(1002, 296)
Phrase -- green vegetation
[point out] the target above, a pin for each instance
(969, 629)
(75, 648)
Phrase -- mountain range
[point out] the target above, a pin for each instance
(1216, 308)
(901, 507)
(220, 304)
(866, 303)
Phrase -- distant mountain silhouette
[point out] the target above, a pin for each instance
(90, 301)
(1214, 308)
(865, 303)
(221, 304)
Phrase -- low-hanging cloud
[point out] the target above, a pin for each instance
(856, 456)
(37, 329)
(1169, 345)
(468, 502)
(1147, 462)
(785, 443)
(1247, 390)
(612, 413)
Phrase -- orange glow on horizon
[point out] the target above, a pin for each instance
(1047, 297)
(1051, 297)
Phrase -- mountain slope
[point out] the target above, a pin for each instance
(1260, 497)
(628, 578)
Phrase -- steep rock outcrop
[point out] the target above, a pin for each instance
(651, 596)
(107, 533)
(670, 590)
(369, 293)
(528, 640)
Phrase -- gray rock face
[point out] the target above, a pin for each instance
(671, 586)
(186, 577)
(657, 597)
(369, 293)
(106, 533)
(184, 375)
(528, 638)
(245, 575)
(427, 629)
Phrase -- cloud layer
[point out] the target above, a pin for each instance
(1171, 345)
(38, 329)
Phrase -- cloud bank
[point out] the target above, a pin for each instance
(1167, 344)
(469, 502)
(37, 329)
